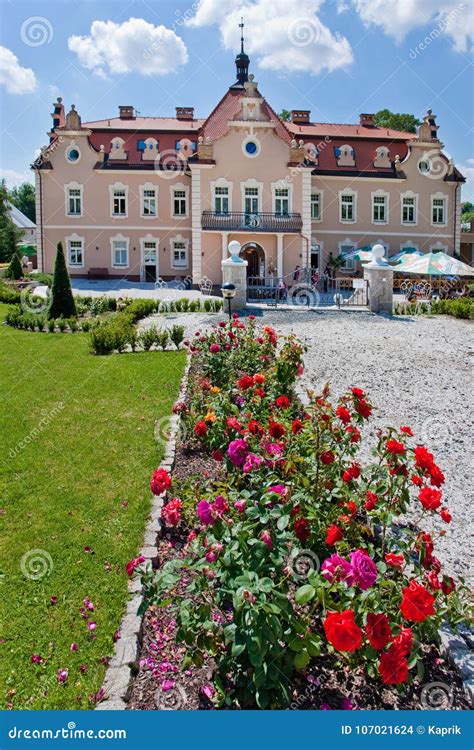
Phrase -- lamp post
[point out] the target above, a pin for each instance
(228, 292)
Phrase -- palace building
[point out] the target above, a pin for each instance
(146, 198)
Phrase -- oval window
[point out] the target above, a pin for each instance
(424, 166)
(73, 154)
(251, 148)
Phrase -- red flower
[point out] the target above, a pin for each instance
(429, 498)
(364, 409)
(406, 431)
(353, 472)
(276, 430)
(447, 585)
(259, 379)
(200, 428)
(343, 414)
(371, 501)
(352, 508)
(393, 667)
(214, 348)
(132, 564)
(436, 476)
(170, 513)
(395, 447)
(395, 561)
(233, 423)
(333, 535)
(446, 515)
(423, 458)
(378, 630)
(245, 382)
(296, 426)
(433, 580)
(404, 641)
(354, 433)
(342, 631)
(283, 402)
(358, 392)
(160, 481)
(259, 392)
(417, 603)
(217, 455)
(417, 480)
(327, 457)
(255, 428)
(302, 529)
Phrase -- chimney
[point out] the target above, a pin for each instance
(126, 113)
(58, 114)
(300, 116)
(185, 113)
(367, 121)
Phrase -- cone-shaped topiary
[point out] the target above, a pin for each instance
(14, 270)
(62, 301)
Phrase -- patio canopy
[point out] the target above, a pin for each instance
(406, 251)
(434, 264)
(360, 253)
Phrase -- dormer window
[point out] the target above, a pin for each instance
(382, 157)
(149, 149)
(117, 149)
(345, 156)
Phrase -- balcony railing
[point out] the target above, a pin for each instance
(251, 222)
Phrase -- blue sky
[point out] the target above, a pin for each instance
(335, 57)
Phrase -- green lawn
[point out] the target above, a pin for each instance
(77, 452)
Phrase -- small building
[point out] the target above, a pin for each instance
(24, 224)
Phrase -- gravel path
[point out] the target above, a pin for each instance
(416, 371)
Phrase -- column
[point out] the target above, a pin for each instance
(279, 255)
(380, 282)
(306, 217)
(39, 227)
(225, 242)
(196, 223)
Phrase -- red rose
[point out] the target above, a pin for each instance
(406, 431)
(233, 423)
(132, 564)
(259, 379)
(358, 392)
(342, 631)
(417, 480)
(170, 513)
(364, 409)
(446, 515)
(283, 402)
(403, 641)
(417, 603)
(160, 481)
(423, 458)
(378, 630)
(395, 561)
(343, 414)
(296, 426)
(371, 501)
(352, 508)
(245, 382)
(447, 585)
(217, 455)
(433, 580)
(393, 667)
(333, 535)
(436, 476)
(395, 447)
(255, 428)
(327, 457)
(259, 392)
(302, 529)
(276, 430)
(429, 498)
(353, 472)
(354, 433)
(200, 428)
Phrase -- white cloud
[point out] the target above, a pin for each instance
(467, 189)
(13, 178)
(17, 80)
(397, 18)
(284, 35)
(133, 46)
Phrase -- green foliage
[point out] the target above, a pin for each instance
(177, 335)
(162, 338)
(112, 335)
(285, 115)
(62, 301)
(42, 278)
(147, 337)
(459, 308)
(9, 296)
(396, 121)
(9, 233)
(14, 270)
(24, 198)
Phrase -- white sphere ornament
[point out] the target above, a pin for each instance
(378, 252)
(234, 247)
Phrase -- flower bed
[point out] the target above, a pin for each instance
(286, 566)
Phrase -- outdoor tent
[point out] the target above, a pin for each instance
(434, 264)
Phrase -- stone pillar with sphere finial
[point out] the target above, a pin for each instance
(234, 271)
(379, 275)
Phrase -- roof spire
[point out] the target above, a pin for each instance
(241, 27)
(242, 62)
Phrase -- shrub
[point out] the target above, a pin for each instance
(14, 270)
(72, 323)
(207, 305)
(194, 305)
(51, 325)
(177, 335)
(185, 305)
(459, 308)
(148, 337)
(62, 324)
(140, 308)
(178, 305)
(62, 301)
(162, 338)
(85, 325)
(42, 278)
(9, 296)
(112, 335)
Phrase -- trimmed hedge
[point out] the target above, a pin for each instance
(459, 308)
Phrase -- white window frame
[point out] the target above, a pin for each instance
(148, 238)
(348, 193)
(181, 240)
(75, 238)
(315, 241)
(221, 182)
(112, 189)
(319, 193)
(113, 240)
(252, 183)
(386, 196)
(148, 186)
(179, 186)
(282, 185)
(439, 246)
(409, 194)
(74, 186)
(444, 198)
(349, 265)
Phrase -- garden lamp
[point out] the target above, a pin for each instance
(228, 292)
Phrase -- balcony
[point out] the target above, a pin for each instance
(258, 222)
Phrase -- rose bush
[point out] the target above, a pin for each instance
(297, 552)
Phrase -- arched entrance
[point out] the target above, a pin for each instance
(254, 254)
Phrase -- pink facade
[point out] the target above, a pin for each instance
(149, 198)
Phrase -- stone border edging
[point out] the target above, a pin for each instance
(458, 648)
(123, 664)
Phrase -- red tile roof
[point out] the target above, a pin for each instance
(341, 130)
(144, 123)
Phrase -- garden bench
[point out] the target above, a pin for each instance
(97, 273)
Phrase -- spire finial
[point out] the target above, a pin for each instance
(241, 27)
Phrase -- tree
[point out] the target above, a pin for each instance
(285, 115)
(14, 270)
(396, 121)
(24, 198)
(62, 301)
(9, 233)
